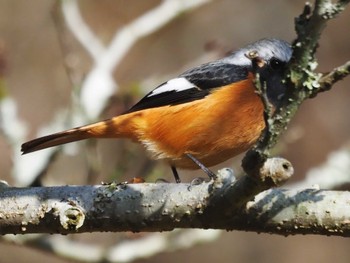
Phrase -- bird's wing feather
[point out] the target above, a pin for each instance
(192, 85)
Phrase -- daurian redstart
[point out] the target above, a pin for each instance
(201, 118)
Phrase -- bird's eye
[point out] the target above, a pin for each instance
(276, 64)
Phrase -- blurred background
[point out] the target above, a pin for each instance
(47, 62)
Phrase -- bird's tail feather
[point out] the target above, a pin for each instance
(53, 140)
(104, 129)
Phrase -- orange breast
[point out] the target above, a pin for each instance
(224, 124)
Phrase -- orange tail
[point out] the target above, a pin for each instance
(113, 128)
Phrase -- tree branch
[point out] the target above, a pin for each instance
(328, 80)
(301, 79)
(164, 207)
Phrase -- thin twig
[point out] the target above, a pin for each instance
(328, 80)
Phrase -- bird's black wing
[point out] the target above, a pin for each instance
(191, 85)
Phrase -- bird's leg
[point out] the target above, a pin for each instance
(176, 175)
(210, 173)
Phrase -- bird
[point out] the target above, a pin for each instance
(202, 117)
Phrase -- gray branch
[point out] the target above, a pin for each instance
(166, 206)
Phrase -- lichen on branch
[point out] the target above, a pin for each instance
(301, 78)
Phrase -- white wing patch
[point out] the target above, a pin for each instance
(177, 84)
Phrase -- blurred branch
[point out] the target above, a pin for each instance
(81, 30)
(106, 59)
(333, 174)
(123, 251)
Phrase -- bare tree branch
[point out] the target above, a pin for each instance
(164, 207)
(134, 207)
(328, 80)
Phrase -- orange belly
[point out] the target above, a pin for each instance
(224, 124)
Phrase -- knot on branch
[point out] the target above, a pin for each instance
(273, 171)
(276, 171)
(71, 216)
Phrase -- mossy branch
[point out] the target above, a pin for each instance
(302, 80)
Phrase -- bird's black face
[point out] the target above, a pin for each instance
(269, 58)
(271, 73)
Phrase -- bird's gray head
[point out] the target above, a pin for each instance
(268, 57)
(269, 50)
